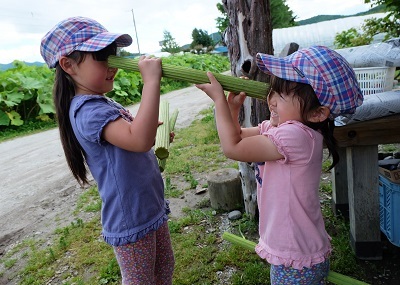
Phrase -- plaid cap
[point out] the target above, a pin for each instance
(78, 33)
(329, 74)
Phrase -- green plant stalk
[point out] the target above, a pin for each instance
(334, 277)
(162, 136)
(254, 89)
(172, 120)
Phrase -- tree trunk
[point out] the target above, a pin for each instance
(249, 32)
(225, 189)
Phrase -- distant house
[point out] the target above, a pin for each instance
(222, 50)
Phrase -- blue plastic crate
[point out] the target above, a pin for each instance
(389, 209)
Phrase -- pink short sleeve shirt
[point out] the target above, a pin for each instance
(292, 230)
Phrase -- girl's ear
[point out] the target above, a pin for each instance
(67, 65)
(319, 115)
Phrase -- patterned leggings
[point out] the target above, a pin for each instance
(281, 275)
(149, 261)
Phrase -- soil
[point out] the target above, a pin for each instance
(39, 194)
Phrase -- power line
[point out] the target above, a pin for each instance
(137, 39)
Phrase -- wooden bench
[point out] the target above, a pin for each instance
(355, 191)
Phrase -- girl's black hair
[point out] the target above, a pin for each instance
(63, 92)
(308, 102)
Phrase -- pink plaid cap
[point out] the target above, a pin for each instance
(78, 33)
(329, 74)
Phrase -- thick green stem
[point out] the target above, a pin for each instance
(255, 89)
(334, 277)
(162, 136)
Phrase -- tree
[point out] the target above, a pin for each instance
(169, 44)
(123, 52)
(201, 39)
(390, 25)
(246, 35)
(351, 38)
(281, 16)
(222, 22)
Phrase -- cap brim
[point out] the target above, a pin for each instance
(102, 40)
(281, 67)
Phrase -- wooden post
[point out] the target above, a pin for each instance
(363, 196)
(249, 184)
(340, 198)
(225, 189)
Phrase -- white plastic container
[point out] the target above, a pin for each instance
(374, 80)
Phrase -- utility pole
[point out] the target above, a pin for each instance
(137, 39)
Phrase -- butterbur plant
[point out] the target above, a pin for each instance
(127, 88)
(25, 94)
(252, 88)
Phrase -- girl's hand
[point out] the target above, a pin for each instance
(171, 137)
(150, 69)
(171, 134)
(213, 89)
(235, 101)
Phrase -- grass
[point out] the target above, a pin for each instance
(77, 254)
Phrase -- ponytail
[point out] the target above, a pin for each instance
(63, 92)
(326, 128)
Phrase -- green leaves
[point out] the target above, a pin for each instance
(4, 120)
(15, 118)
(11, 99)
(126, 88)
(25, 93)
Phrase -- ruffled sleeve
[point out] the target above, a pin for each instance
(292, 139)
(95, 113)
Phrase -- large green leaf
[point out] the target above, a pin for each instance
(4, 119)
(31, 83)
(47, 108)
(15, 118)
(45, 102)
(11, 99)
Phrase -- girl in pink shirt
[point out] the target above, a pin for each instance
(308, 89)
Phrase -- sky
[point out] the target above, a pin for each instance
(24, 22)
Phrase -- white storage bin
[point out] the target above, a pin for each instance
(375, 79)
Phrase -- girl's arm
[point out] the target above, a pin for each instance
(234, 103)
(252, 148)
(139, 134)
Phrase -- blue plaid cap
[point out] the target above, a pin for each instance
(329, 74)
(78, 33)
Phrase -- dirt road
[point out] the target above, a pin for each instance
(37, 190)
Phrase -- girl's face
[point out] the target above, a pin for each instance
(283, 107)
(93, 77)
